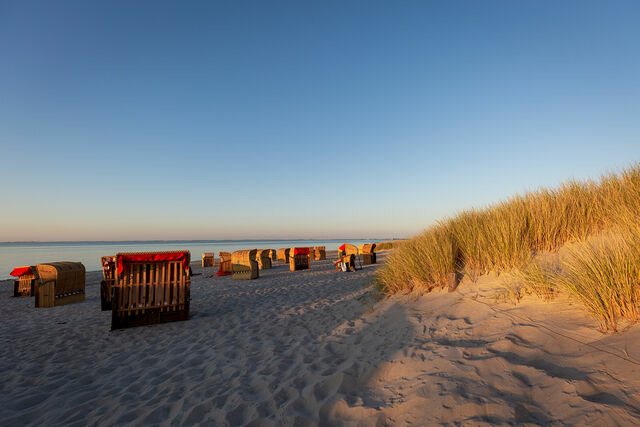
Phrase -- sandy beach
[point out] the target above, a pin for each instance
(315, 348)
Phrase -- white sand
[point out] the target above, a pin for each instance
(305, 348)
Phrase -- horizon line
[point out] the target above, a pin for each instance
(188, 240)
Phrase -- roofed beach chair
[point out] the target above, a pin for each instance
(109, 275)
(346, 250)
(263, 257)
(320, 253)
(273, 254)
(312, 253)
(299, 259)
(224, 267)
(23, 287)
(244, 264)
(150, 287)
(59, 283)
(283, 255)
(368, 253)
(208, 259)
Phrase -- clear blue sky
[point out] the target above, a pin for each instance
(205, 120)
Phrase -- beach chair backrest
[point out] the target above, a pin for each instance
(368, 248)
(244, 257)
(350, 249)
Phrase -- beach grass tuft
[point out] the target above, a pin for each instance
(601, 218)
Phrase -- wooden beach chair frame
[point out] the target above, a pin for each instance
(151, 287)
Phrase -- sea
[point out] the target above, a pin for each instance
(17, 254)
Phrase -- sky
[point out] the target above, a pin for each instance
(327, 119)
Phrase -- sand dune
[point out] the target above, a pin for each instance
(314, 347)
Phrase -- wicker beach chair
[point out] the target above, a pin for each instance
(244, 264)
(59, 283)
(109, 278)
(224, 266)
(346, 250)
(208, 259)
(150, 287)
(274, 255)
(299, 259)
(320, 253)
(23, 286)
(263, 257)
(368, 253)
(283, 255)
(312, 253)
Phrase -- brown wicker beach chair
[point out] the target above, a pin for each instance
(150, 287)
(283, 255)
(224, 265)
(23, 287)
(346, 250)
(264, 259)
(109, 275)
(273, 254)
(320, 253)
(299, 259)
(244, 264)
(368, 253)
(59, 283)
(208, 259)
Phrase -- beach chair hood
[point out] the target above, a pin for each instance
(183, 256)
(21, 271)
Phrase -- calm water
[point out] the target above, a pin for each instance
(89, 253)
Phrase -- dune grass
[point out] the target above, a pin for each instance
(604, 274)
(507, 236)
(389, 244)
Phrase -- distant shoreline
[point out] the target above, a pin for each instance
(373, 239)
